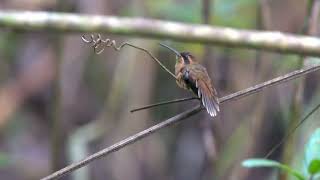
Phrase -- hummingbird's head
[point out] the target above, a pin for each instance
(183, 57)
(186, 58)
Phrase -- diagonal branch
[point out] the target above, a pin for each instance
(272, 82)
(178, 118)
(68, 22)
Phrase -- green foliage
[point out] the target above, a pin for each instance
(312, 153)
(240, 13)
(314, 167)
(254, 163)
(312, 160)
(230, 13)
(312, 61)
(189, 11)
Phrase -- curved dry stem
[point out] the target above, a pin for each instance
(98, 44)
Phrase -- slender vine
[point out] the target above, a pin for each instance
(98, 44)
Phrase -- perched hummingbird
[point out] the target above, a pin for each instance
(193, 76)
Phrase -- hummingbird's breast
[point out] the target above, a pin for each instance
(185, 78)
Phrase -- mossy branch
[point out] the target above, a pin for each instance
(67, 22)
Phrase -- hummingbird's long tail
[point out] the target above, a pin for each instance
(208, 98)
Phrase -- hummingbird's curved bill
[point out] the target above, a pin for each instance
(170, 48)
(193, 76)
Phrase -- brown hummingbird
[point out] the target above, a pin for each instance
(191, 75)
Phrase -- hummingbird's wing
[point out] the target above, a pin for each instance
(200, 83)
(208, 97)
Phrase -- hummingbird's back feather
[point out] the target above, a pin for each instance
(200, 84)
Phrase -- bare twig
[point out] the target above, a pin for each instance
(176, 119)
(99, 44)
(292, 131)
(272, 82)
(67, 22)
(163, 103)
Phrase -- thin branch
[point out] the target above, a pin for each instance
(292, 131)
(272, 82)
(244, 92)
(174, 120)
(123, 143)
(99, 44)
(163, 103)
(68, 22)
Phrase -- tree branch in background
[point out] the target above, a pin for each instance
(311, 20)
(99, 44)
(68, 22)
(176, 119)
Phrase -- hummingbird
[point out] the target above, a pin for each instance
(191, 75)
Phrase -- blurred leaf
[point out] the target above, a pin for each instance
(231, 13)
(231, 7)
(240, 13)
(312, 150)
(4, 159)
(314, 166)
(189, 11)
(251, 163)
(312, 61)
(254, 163)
